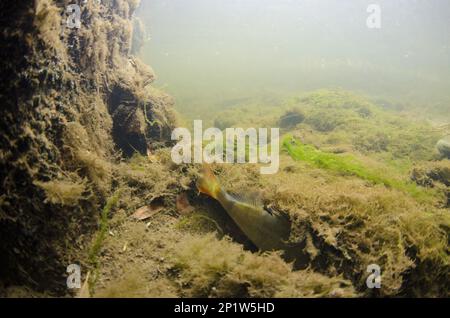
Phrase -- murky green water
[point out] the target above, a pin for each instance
(211, 53)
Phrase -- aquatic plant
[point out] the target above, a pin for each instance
(340, 117)
(100, 236)
(211, 267)
(347, 225)
(65, 191)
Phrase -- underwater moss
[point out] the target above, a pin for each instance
(92, 130)
(63, 192)
(348, 165)
(210, 267)
(341, 117)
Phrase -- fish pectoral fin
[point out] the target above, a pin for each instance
(269, 210)
(280, 215)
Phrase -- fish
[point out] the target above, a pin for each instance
(266, 229)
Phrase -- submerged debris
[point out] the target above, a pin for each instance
(183, 205)
(145, 212)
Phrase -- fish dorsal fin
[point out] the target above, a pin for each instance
(253, 198)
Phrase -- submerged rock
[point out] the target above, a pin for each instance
(70, 100)
(291, 118)
(443, 146)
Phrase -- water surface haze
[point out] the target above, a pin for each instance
(210, 51)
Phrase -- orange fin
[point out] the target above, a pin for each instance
(208, 182)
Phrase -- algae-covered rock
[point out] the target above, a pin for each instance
(291, 118)
(443, 146)
(431, 173)
(72, 101)
(434, 175)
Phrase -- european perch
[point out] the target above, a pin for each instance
(267, 230)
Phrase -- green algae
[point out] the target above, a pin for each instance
(346, 164)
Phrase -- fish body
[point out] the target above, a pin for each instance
(266, 230)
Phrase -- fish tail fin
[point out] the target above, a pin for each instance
(208, 183)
